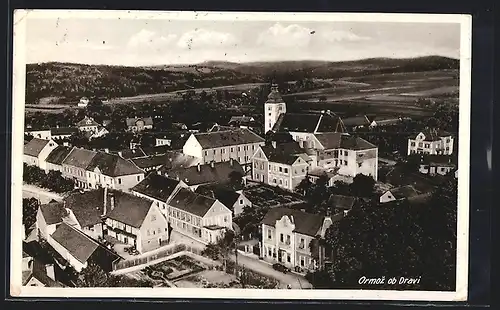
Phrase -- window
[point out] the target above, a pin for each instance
(286, 170)
(281, 238)
(359, 165)
(302, 243)
(241, 201)
(269, 253)
(274, 180)
(303, 170)
(346, 153)
(345, 162)
(427, 145)
(269, 114)
(420, 144)
(340, 152)
(206, 153)
(288, 241)
(154, 232)
(256, 176)
(214, 152)
(302, 262)
(223, 151)
(225, 219)
(269, 234)
(239, 148)
(412, 143)
(269, 108)
(232, 150)
(289, 258)
(138, 178)
(253, 147)
(149, 233)
(119, 181)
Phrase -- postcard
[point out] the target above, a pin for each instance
(240, 155)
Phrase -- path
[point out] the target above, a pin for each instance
(31, 191)
(295, 280)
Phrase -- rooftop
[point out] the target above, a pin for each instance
(79, 245)
(237, 136)
(308, 122)
(113, 165)
(35, 146)
(87, 121)
(170, 160)
(284, 153)
(402, 192)
(79, 157)
(356, 121)
(204, 174)
(156, 186)
(226, 196)
(129, 153)
(191, 202)
(342, 202)
(53, 213)
(334, 140)
(148, 121)
(63, 131)
(129, 209)
(58, 155)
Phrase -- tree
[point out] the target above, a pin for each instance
(30, 209)
(235, 179)
(304, 187)
(222, 248)
(362, 186)
(92, 276)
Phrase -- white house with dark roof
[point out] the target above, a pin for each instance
(238, 144)
(431, 142)
(62, 132)
(137, 124)
(287, 235)
(112, 171)
(280, 164)
(234, 200)
(437, 165)
(36, 152)
(87, 124)
(39, 133)
(200, 217)
(135, 221)
(37, 274)
(406, 192)
(48, 217)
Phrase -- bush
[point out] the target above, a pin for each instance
(53, 181)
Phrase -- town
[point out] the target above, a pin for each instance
(238, 204)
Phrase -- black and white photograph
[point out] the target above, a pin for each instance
(261, 155)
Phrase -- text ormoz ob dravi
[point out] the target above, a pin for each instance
(390, 281)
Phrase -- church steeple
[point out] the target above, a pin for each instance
(273, 108)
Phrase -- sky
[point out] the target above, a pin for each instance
(140, 42)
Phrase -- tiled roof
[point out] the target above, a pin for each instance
(156, 186)
(342, 202)
(148, 121)
(226, 196)
(87, 121)
(241, 119)
(87, 206)
(128, 153)
(334, 140)
(129, 209)
(407, 191)
(219, 173)
(434, 134)
(169, 160)
(53, 213)
(305, 223)
(75, 242)
(58, 154)
(113, 165)
(35, 146)
(237, 136)
(356, 121)
(39, 272)
(218, 127)
(63, 131)
(191, 202)
(308, 122)
(80, 158)
(284, 153)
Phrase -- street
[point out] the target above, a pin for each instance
(31, 191)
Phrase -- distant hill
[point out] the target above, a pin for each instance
(71, 81)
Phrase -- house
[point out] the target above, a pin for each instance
(213, 173)
(332, 175)
(78, 249)
(56, 157)
(406, 192)
(356, 122)
(238, 144)
(62, 132)
(200, 217)
(284, 165)
(84, 102)
(135, 221)
(36, 273)
(100, 132)
(287, 234)
(87, 124)
(342, 204)
(36, 152)
(431, 141)
(169, 160)
(437, 165)
(387, 121)
(173, 140)
(112, 171)
(139, 124)
(158, 189)
(242, 121)
(74, 166)
(48, 217)
(39, 133)
(234, 200)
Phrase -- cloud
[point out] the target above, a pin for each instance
(290, 36)
(342, 36)
(202, 38)
(150, 39)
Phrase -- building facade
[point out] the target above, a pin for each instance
(273, 108)
(36, 152)
(431, 142)
(74, 166)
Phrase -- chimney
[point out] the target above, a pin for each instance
(199, 167)
(212, 164)
(112, 200)
(104, 211)
(49, 268)
(273, 144)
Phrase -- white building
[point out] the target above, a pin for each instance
(36, 152)
(273, 108)
(431, 142)
(84, 102)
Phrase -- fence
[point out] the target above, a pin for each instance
(161, 254)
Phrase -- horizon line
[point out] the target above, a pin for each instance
(243, 63)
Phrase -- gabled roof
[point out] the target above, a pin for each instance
(169, 160)
(226, 196)
(63, 131)
(80, 158)
(402, 192)
(305, 223)
(434, 134)
(241, 119)
(87, 121)
(58, 154)
(79, 245)
(356, 121)
(156, 186)
(334, 140)
(38, 271)
(308, 122)
(129, 209)
(209, 140)
(53, 213)
(191, 202)
(148, 121)
(113, 165)
(87, 206)
(342, 202)
(35, 146)
(204, 174)
(284, 153)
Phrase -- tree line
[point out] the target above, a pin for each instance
(53, 180)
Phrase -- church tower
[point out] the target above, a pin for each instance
(273, 108)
